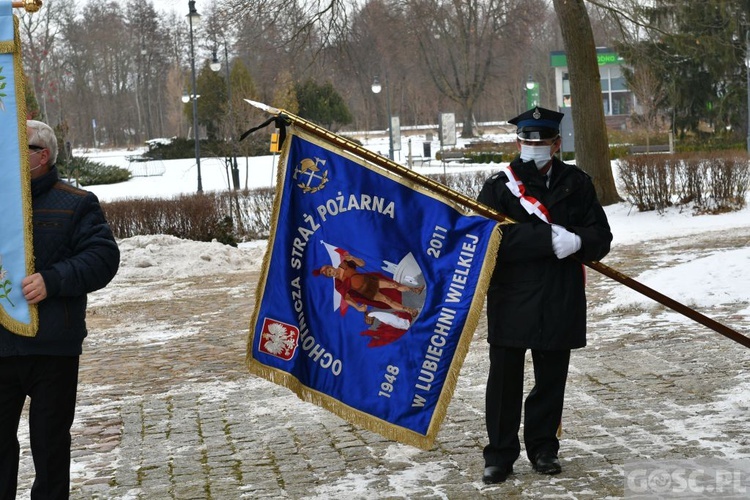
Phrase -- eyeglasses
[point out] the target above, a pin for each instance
(36, 148)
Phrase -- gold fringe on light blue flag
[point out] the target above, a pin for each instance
(16, 241)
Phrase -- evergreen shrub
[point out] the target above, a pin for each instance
(88, 172)
(180, 148)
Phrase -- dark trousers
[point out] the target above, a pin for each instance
(50, 382)
(543, 409)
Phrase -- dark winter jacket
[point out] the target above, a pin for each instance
(75, 253)
(536, 300)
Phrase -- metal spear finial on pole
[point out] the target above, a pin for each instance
(28, 5)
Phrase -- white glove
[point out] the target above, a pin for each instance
(564, 242)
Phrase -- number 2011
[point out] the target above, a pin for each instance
(436, 241)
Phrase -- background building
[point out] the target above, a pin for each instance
(617, 100)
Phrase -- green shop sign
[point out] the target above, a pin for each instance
(603, 57)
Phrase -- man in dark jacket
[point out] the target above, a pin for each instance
(74, 253)
(536, 299)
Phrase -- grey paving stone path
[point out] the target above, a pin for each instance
(167, 409)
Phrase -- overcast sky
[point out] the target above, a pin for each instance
(180, 6)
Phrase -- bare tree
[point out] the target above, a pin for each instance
(71, 48)
(651, 94)
(378, 45)
(459, 40)
(146, 41)
(311, 23)
(44, 65)
(174, 123)
(525, 53)
(114, 68)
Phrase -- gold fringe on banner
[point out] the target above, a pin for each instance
(28, 330)
(362, 419)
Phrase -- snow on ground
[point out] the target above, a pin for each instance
(702, 279)
(708, 281)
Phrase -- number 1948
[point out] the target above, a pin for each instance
(386, 387)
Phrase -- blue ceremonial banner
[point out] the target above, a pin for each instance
(16, 253)
(370, 292)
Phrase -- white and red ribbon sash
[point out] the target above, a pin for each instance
(529, 203)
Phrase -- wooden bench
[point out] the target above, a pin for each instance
(654, 148)
(145, 166)
(448, 156)
(419, 161)
(137, 158)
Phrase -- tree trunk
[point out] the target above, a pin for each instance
(591, 143)
(468, 126)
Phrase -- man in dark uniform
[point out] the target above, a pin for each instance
(536, 298)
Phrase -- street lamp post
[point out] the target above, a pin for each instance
(194, 19)
(147, 54)
(376, 88)
(216, 66)
(532, 93)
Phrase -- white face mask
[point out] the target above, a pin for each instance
(541, 155)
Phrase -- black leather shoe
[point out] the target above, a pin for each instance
(494, 474)
(546, 462)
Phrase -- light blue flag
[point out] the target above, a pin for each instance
(16, 252)
(371, 290)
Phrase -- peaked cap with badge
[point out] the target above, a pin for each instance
(538, 124)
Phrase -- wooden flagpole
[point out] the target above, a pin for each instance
(488, 212)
